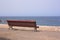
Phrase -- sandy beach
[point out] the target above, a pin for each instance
(22, 33)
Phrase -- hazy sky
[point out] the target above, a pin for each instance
(29, 7)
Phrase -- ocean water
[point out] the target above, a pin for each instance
(40, 20)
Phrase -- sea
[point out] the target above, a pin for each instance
(40, 20)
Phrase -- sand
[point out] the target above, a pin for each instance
(21, 33)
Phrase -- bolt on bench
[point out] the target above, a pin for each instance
(22, 23)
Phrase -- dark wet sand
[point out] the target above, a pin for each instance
(19, 34)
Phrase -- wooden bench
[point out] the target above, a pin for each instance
(0, 20)
(22, 23)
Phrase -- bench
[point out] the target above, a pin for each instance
(0, 20)
(22, 23)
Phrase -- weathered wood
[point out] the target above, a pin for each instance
(22, 23)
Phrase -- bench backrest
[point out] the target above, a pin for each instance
(24, 23)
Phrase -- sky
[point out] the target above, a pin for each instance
(29, 7)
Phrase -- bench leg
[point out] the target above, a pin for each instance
(35, 29)
(10, 27)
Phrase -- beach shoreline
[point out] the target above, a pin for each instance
(41, 28)
(26, 33)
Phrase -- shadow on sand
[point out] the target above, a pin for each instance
(25, 30)
(2, 38)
